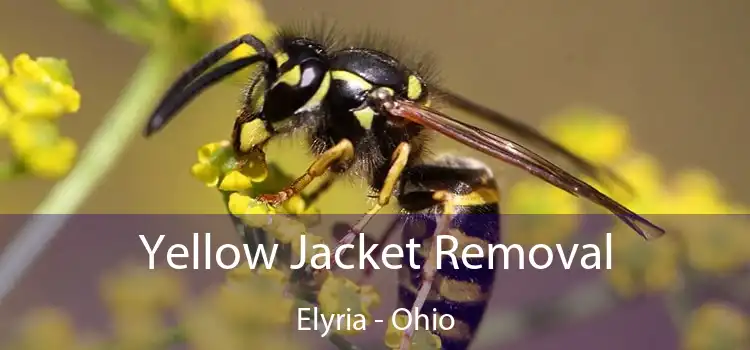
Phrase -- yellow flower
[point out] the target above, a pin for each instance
(208, 328)
(209, 151)
(137, 290)
(44, 69)
(536, 197)
(54, 161)
(239, 274)
(4, 69)
(237, 315)
(287, 230)
(540, 213)
(643, 173)
(253, 303)
(216, 161)
(240, 204)
(216, 22)
(303, 214)
(6, 117)
(37, 92)
(715, 243)
(295, 205)
(284, 228)
(252, 212)
(341, 296)
(597, 136)
(273, 276)
(691, 192)
(137, 299)
(27, 135)
(242, 17)
(48, 329)
(639, 266)
(696, 192)
(232, 18)
(272, 279)
(717, 326)
(41, 148)
(138, 330)
(421, 339)
(199, 10)
(41, 88)
(205, 173)
(211, 156)
(235, 181)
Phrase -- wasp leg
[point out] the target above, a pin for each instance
(429, 270)
(342, 152)
(388, 234)
(400, 157)
(322, 189)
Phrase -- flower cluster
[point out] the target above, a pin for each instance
(717, 325)
(49, 328)
(217, 167)
(705, 236)
(643, 266)
(250, 308)
(711, 244)
(230, 18)
(530, 199)
(37, 92)
(138, 300)
(189, 27)
(241, 181)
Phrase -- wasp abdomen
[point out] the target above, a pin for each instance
(462, 285)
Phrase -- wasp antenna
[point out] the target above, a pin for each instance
(186, 87)
(171, 107)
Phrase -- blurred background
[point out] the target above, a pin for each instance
(674, 71)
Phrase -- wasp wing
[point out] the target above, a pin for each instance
(531, 134)
(519, 156)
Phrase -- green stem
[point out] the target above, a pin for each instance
(121, 124)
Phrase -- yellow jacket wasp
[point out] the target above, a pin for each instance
(367, 113)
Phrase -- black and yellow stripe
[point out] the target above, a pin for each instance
(457, 290)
